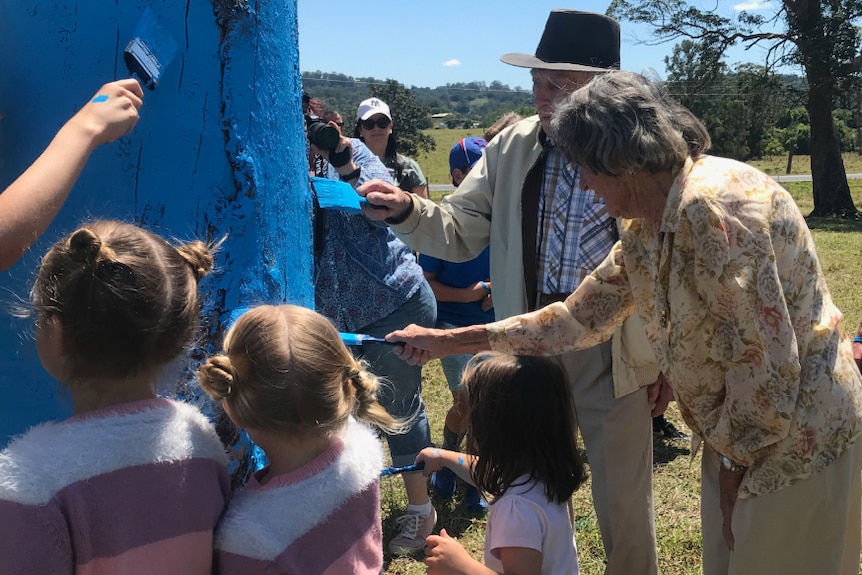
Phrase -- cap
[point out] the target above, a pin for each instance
(466, 153)
(372, 106)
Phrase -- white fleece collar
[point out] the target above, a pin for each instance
(261, 524)
(50, 456)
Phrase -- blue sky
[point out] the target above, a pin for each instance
(431, 43)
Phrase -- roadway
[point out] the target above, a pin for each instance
(782, 179)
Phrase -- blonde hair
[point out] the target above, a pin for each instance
(126, 299)
(284, 368)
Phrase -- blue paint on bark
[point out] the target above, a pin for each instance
(219, 149)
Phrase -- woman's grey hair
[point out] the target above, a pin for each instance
(622, 121)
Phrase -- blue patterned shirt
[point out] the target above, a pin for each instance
(363, 272)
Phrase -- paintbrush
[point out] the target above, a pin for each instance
(360, 338)
(150, 51)
(389, 471)
(335, 195)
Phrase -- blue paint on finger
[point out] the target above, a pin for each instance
(460, 461)
(99, 98)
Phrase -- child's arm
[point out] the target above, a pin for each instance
(445, 556)
(436, 458)
(31, 202)
(446, 293)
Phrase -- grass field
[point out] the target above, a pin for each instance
(676, 474)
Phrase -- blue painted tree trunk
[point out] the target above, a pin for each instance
(219, 149)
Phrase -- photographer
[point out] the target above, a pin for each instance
(367, 281)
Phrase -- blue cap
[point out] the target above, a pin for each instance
(466, 153)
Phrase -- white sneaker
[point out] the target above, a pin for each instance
(414, 528)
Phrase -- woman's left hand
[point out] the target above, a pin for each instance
(659, 395)
(728, 490)
(344, 144)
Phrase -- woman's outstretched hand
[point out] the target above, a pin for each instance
(419, 344)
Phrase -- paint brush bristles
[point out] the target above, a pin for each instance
(332, 194)
(150, 51)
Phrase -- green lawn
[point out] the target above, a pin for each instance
(676, 474)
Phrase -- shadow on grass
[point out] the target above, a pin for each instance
(666, 450)
(839, 225)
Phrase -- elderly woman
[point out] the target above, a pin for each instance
(716, 259)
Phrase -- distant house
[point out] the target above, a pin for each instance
(439, 116)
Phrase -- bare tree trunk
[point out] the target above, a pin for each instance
(831, 191)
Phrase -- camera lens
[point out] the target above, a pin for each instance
(321, 134)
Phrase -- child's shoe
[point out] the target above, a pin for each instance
(414, 528)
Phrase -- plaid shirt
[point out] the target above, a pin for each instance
(570, 250)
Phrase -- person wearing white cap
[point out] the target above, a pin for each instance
(524, 199)
(374, 126)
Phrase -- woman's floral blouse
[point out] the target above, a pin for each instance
(736, 308)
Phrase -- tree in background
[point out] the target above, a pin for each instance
(695, 76)
(819, 36)
(408, 116)
(753, 100)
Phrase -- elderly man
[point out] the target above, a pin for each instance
(524, 199)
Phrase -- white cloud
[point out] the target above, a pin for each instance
(753, 5)
(452, 63)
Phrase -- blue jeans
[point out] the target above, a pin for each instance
(401, 387)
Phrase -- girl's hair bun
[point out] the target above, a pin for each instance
(85, 245)
(217, 377)
(199, 257)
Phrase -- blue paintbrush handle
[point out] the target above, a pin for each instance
(360, 338)
(389, 471)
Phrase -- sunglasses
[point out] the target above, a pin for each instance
(381, 122)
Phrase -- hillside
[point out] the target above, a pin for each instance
(467, 103)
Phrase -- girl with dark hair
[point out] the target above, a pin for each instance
(523, 426)
(374, 126)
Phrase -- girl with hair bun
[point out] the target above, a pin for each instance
(131, 482)
(287, 379)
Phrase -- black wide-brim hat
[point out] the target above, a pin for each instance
(574, 40)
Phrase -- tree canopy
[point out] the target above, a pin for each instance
(819, 36)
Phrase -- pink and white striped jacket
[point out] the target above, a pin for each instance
(133, 489)
(321, 519)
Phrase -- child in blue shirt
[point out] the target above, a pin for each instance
(463, 293)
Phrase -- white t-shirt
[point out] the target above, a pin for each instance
(523, 517)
